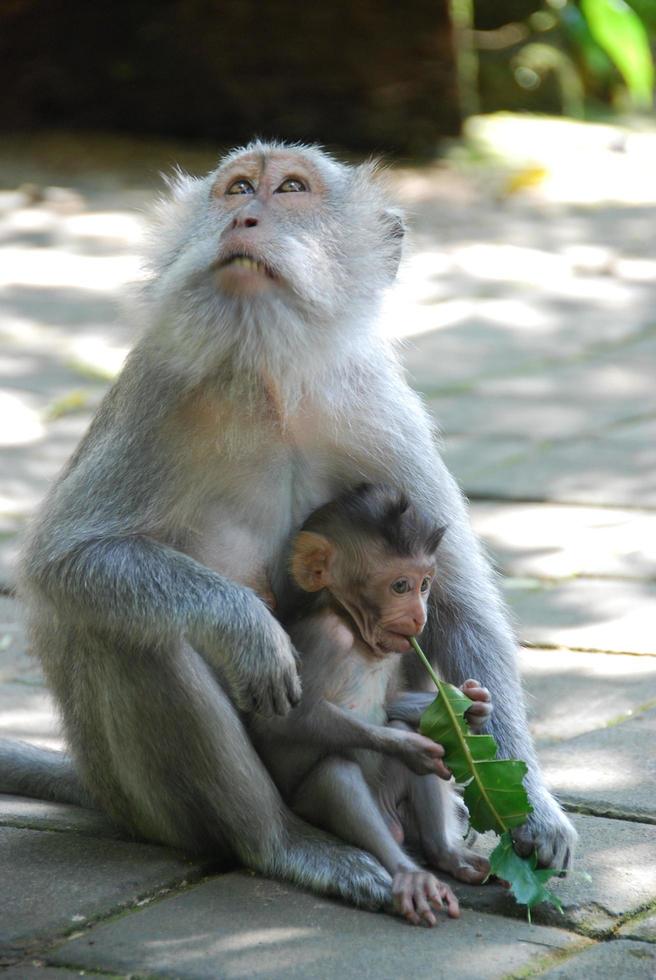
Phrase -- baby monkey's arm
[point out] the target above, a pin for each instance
(333, 729)
(409, 706)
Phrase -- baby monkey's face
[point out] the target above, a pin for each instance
(393, 599)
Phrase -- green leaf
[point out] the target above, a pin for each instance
(526, 880)
(619, 31)
(494, 791)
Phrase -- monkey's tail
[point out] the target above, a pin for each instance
(27, 770)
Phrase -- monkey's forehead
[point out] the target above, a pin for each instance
(259, 152)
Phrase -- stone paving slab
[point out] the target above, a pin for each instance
(28, 971)
(59, 881)
(15, 663)
(19, 811)
(643, 927)
(585, 614)
(616, 469)
(557, 541)
(614, 876)
(28, 712)
(241, 926)
(556, 403)
(619, 960)
(612, 770)
(570, 693)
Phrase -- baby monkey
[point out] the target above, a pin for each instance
(348, 758)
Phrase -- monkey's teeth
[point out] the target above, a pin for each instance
(243, 262)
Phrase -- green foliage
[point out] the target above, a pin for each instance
(494, 792)
(493, 788)
(526, 880)
(619, 31)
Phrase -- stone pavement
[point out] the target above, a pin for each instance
(530, 328)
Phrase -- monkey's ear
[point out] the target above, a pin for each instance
(395, 222)
(435, 538)
(312, 556)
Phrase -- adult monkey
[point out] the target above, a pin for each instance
(258, 391)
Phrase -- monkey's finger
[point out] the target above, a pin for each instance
(452, 905)
(403, 903)
(480, 708)
(423, 909)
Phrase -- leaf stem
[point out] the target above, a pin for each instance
(463, 744)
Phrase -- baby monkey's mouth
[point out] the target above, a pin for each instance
(239, 260)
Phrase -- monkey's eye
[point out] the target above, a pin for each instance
(292, 185)
(241, 186)
(425, 585)
(401, 586)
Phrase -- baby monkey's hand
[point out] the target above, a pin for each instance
(479, 714)
(420, 754)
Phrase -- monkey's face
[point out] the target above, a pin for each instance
(389, 603)
(266, 205)
(277, 234)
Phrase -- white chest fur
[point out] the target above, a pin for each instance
(360, 685)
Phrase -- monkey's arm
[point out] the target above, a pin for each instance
(136, 586)
(409, 706)
(332, 729)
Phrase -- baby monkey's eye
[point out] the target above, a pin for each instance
(291, 185)
(401, 586)
(241, 186)
(426, 583)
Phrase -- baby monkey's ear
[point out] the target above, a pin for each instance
(311, 561)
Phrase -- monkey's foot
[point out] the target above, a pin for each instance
(463, 864)
(419, 894)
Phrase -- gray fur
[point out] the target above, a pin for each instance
(187, 488)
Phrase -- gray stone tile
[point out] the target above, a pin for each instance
(585, 614)
(238, 925)
(60, 881)
(604, 470)
(27, 711)
(612, 770)
(29, 971)
(614, 876)
(557, 541)
(19, 811)
(556, 403)
(570, 693)
(15, 663)
(643, 927)
(608, 961)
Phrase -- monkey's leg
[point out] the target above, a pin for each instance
(435, 819)
(167, 755)
(336, 795)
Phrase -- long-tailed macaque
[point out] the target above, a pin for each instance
(259, 390)
(367, 561)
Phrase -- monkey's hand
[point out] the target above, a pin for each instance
(479, 714)
(255, 656)
(548, 831)
(420, 754)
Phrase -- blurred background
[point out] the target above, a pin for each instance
(520, 138)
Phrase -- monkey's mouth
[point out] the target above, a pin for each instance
(391, 642)
(241, 261)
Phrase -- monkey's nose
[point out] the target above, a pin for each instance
(244, 223)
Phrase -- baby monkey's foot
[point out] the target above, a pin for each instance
(417, 894)
(479, 714)
(463, 864)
